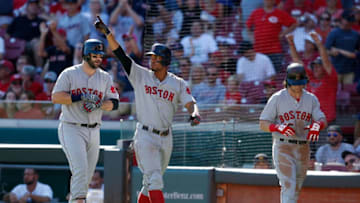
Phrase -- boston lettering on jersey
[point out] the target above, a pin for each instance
(159, 92)
(85, 90)
(295, 114)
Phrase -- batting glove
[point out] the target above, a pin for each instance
(195, 120)
(100, 25)
(314, 131)
(284, 129)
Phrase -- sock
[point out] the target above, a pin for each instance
(156, 196)
(143, 198)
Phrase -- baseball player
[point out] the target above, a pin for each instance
(294, 117)
(157, 95)
(84, 90)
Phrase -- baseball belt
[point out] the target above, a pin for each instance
(161, 133)
(82, 124)
(293, 141)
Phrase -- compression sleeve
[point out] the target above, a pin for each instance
(124, 59)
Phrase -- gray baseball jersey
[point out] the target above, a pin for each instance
(283, 108)
(75, 81)
(156, 102)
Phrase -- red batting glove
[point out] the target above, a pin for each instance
(284, 129)
(314, 131)
(195, 120)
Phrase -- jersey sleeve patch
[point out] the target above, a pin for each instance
(113, 90)
(188, 90)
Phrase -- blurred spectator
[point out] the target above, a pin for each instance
(21, 62)
(229, 28)
(252, 66)
(209, 91)
(119, 74)
(322, 77)
(56, 9)
(323, 3)
(344, 38)
(269, 90)
(74, 23)
(212, 8)
(307, 24)
(197, 75)
(97, 180)
(267, 24)
(49, 82)
(352, 161)
(261, 161)
(332, 151)
(97, 8)
(177, 52)
(356, 24)
(304, 6)
(26, 27)
(131, 46)
(2, 48)
(96, 188)
(31, 191)
(26, 109)
(198, 45)
(191, 13)
(331, 8)
(50, 110)
(184, 65)
(324, 27)
(232, 94)
(29, 82)
(16, 85)
(8, 108)
(6, 69)
(247, 7)
(122, 19)
(60, 53)
(159, 23)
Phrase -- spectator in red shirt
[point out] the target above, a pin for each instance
(267, 24)
(301, 5)
(28, 82)
(26, 108)
(232, 94)
(16, 85)
(49, 82)
(322, 78)
(322, 3)
(6, 69)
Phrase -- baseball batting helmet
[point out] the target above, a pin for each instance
(161, 50)
(93, 46)
(296, 74)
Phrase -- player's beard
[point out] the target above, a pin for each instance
(92, 65)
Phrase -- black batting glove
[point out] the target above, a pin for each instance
(195, 120)
(101, 27)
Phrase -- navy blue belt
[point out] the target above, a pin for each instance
(293, 141)
(161, 133)
(83, 124)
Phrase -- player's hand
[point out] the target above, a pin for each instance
(314, 131)
(91, 102)
(285, 129)
(101, 27)
(195, 120)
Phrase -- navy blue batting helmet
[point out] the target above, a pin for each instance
(161, 50)
(93, 46)
(296, 74)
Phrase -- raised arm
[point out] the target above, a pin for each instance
(114, 45)
(323, 52)
(293, 53)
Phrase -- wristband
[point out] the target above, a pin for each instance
(115, 104)
(75, 97)
(272, 127)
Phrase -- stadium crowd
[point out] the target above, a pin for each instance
(230, 52)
